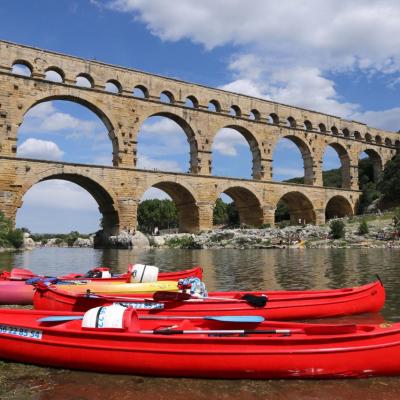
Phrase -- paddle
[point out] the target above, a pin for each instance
(253, 300)
(309, 330)
(220, 318)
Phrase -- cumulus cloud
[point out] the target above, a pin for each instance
(59, 194)
(46, 119)
(227, 140)
(41, 149)
(269, 38)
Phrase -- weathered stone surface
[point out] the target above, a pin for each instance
(81, 242)
(124, 240)
(28, 242)
(119, 189)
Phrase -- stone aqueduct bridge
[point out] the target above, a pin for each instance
(118, 189)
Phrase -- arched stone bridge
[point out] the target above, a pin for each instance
(201, 112)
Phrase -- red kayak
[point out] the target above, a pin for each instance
(121, 342)
(23, 274)
(280, 305)
(18, 292)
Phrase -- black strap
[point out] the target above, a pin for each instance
(144, 269)
(98, 316)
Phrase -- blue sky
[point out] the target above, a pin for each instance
(336, 56)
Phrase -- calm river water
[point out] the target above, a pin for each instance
(226, 269)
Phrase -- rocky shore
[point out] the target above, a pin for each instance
(381, 235)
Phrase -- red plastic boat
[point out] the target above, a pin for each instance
(201, 348)
(18, 292)
(282, 305)
(23, 274)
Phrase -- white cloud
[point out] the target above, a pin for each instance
(46, 119)
(227, 140)
(160, 137)
(284, 52)
(244, 86)
(385, 119)
(41, 149)
(59, 194)
(145, 162)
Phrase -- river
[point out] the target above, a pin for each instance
(225, 269)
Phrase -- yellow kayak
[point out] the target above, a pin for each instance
(120, 288)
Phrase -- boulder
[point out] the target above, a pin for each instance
(124, 240)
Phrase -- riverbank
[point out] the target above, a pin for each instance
(381, 234)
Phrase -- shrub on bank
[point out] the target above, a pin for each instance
(9, 237)
(337, 229)
(363, 228)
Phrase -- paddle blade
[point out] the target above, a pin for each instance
(255, 301)
(237, 318)
(60, 318)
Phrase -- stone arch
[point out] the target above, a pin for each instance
(291, 122)
(254, 115)
(167, 97)
(58, 71)
(24, 63)
(235, 111)
(253, 144)
(357, 135)
(273, 119)
(388, 142)
(344, 158)
(104, 196)
(308, 125)
(377, 162)
(346, 132)
(113, 86)
(247, 204)
(190, 135)
(87, 77)
(193, 100)
(140, 91)
(338, 207)
(89, 105)
(305, 154)
(301, 209)
(322, 128)
(185, 201)
(214, 106)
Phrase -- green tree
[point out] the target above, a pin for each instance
(390, 182)
(9, 237)
(157, 213)
(220, 213)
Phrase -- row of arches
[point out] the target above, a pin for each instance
(300, 208)
(56, 74)
(252, 156)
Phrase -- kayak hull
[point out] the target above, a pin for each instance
(371, 350)
(24, 274)
(281, 305)
(18, 292)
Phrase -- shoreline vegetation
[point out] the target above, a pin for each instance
(366, 231)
